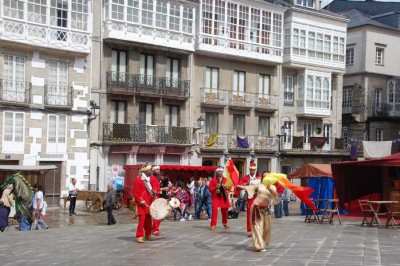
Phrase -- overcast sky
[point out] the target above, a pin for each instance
(325, 2)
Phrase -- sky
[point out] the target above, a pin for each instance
(325, 2)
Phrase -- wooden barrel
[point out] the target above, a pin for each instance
(395, 195)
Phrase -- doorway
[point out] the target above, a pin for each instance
(263, 165)
(51, 182)
(240, 166)
(210, 162)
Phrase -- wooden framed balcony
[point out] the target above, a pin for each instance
(214, 97)
(15, 92)
(149, 134)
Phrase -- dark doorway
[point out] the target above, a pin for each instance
(51, 182)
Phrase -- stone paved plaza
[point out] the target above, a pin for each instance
(86, 240)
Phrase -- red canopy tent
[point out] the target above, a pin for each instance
(312, 170)
(354, 179)
(174, 172)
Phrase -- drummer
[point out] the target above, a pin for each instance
(165, 186)
(143, 190)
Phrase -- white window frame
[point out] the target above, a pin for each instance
(306, 3)
(288, 137)
(58, 90)
(307, 133)
(347, 100)
(239, 82)
(379, 135)
(264, 84)
(349, 56)
(14, 129)
(14, 79)
(288, 89)
(379, 56)
(211, 79)
(327, 133)
(59, 144)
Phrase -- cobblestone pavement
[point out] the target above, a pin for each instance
(84, 239)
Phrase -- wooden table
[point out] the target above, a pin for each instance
(381, 208)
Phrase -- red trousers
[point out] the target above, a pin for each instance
(248, 210)
(144, 225)
(214, 215)
(156, 225)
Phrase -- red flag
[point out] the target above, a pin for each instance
(232, 174)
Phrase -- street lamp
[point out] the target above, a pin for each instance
(283, 134)
(200, 124)
(94, 111)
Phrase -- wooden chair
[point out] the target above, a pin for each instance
(367, 211)
(311, 216)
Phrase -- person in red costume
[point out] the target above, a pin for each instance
(251, 179)
(219, 197)
(164, 186)
(144, 191)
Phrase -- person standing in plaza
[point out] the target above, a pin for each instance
(37, 205)
(220, 198)
(164, 186)
(72, 194)
(110, 201)
(144, 188)
(278, 205)
(8, 198)
(286, 200)
(261, 218)
(251, 179)
(203, 199)
(3, 217)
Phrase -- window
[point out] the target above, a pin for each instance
(263, 126)
(147, 12)
(146, 113)
(288, 89)
(318, 91)
(172, 116)
(379, 56)
(211, 80)
(161, 14)
(187, 20)
(37, 11)
(263, 85)
(289, 132)
(379, 135)
(350, 56)
(79, 14)
(238, 125)
(378, 101)
(239, 79)
(327, 133)
(118, 65)
(394, 95)
(306, 3)
(14, 79)
(57, 129)
(117, 9)
(132, 11)
(345, 135)
(59, 17)
(13, 130)
(347, 100)
(172, 72)
(118, 112)
(146, 69)
(174, 16)
(211, 124)
(57, 89)
(307, 132)
(14, 8)
(57, 134)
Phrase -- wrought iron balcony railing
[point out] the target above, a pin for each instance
(313, 144)
(147, 84)
(139, 133)
(57, 95)
(386, 110)
(15, 91)
(288, 98)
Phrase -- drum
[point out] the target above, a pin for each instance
(159, 209)
(174, 203)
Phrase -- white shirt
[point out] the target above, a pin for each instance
(191, 187)
(38, 195)
(254, 180)
(71, 188)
